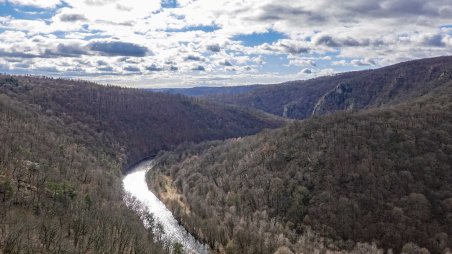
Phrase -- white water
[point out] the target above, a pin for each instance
(135, 184)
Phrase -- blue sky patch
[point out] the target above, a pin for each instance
(168, 3)
(251, 40)
(24, 12)
(277, 64)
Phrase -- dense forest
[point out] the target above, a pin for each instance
(353, 90)
(63, 147)
(369, 170)
(133, 121)
(343, 181)
(58, 195)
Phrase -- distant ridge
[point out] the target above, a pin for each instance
(352, 90)
(205, 90)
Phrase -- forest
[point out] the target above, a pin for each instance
(360, 181)
(58, 195)
(367, 170)
(64, 146)
(135, 122)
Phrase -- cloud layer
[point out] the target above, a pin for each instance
(200, 42)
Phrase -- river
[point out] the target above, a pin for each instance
(135, 184)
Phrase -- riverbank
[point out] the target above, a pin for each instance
(134, 183)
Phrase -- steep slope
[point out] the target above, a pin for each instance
(136, 122)
(354, 90)
(58, 195)
(381, 175)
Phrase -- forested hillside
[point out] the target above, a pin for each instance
(353, 90)
(381, 175)
(63, 147)
(135, 122)
(58, 195)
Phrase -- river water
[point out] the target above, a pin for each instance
(135, 184)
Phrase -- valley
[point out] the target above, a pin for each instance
(366, 178)
(225, 127)
(65, 145)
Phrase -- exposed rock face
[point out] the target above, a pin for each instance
(340, 98)
(383, 89)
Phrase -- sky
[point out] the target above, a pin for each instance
(187, 43)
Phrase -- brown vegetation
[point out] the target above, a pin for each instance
(57, 195)
(133, 121)
(63, 147)
(381, 175)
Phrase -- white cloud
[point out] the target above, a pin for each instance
(301, 61)
(322, 36)
(363, 62)
(116, 11)
(35, 3)
(340, 63)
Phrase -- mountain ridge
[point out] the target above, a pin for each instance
(364, 89)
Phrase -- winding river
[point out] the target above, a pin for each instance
(135, 184)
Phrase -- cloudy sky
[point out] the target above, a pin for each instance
(185, 43)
